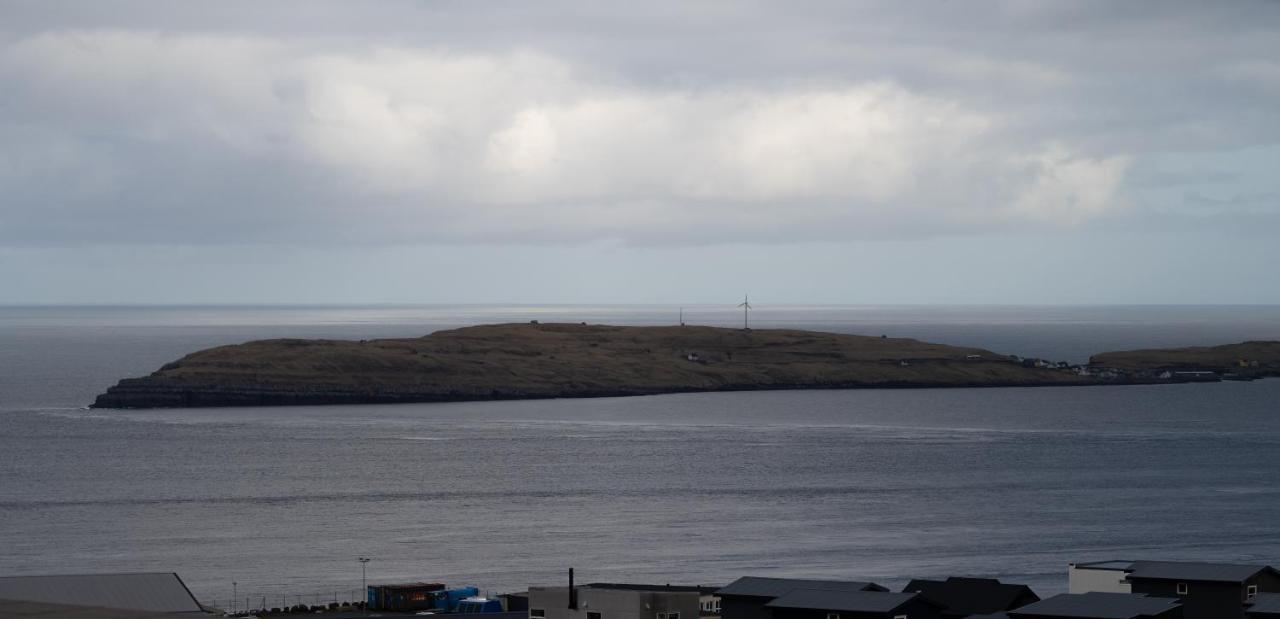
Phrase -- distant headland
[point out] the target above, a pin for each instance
(532, 360)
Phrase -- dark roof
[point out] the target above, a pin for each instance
(1265, 604)
(1097, 605)
(971, 596)
(1114, 564)
(847, 601)
(161, 592)
(707, 590)
(1191, 570)
(755, 586)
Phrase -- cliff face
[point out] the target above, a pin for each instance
(515, 361)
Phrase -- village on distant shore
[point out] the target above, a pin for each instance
(1114, 589)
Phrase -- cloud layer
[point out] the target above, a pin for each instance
(231, 138)
(678, 126)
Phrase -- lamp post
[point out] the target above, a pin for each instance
(364, 585)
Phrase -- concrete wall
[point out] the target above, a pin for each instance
(1085, 580)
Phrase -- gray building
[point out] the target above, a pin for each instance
(748, 597)
(618, 601)
(161, 592)
(1100, 576)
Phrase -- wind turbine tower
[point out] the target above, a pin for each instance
(746, 309)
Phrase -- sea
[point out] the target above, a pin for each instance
(275, 505)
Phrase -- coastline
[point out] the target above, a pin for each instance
(532, 361)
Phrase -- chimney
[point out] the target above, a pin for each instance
(573, 593)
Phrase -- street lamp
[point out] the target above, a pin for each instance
(364, 585)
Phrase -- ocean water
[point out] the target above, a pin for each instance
(691, 488)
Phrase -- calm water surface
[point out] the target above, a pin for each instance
(698, 488)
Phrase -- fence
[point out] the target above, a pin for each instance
(261, 602)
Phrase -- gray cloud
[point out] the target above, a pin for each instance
(145, 123)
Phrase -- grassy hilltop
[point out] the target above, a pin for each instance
(1254, 358)
(514, 361)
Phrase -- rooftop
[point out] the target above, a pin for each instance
(1118, 565)
(160, 592)
(1097, 605)
(701, 589)
(17, 609)
(409, 585)
(848, 601)
(971, 596)
(1192, 570)
(755, 586)
(1265, 604)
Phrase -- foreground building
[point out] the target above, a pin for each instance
(1099, 605)
(1263, 606)
(618, 601)
(965, 597)
(826, 604)
(1207, 590)
(749, 597)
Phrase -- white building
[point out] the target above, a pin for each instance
(1101, 576)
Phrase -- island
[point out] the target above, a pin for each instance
(532, 360)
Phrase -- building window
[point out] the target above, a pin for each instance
(899, 617)
(661, 615)
(1250, 591)
(673, 615)
(833, 615)
(1182, 588)
(537, 612)
(593, 614)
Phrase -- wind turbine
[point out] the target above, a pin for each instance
(746, 307)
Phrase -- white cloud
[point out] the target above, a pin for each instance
(1071, 189)
(415, 143)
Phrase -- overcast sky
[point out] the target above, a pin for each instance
(595, 152)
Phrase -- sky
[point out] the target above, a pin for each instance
(837, 152)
